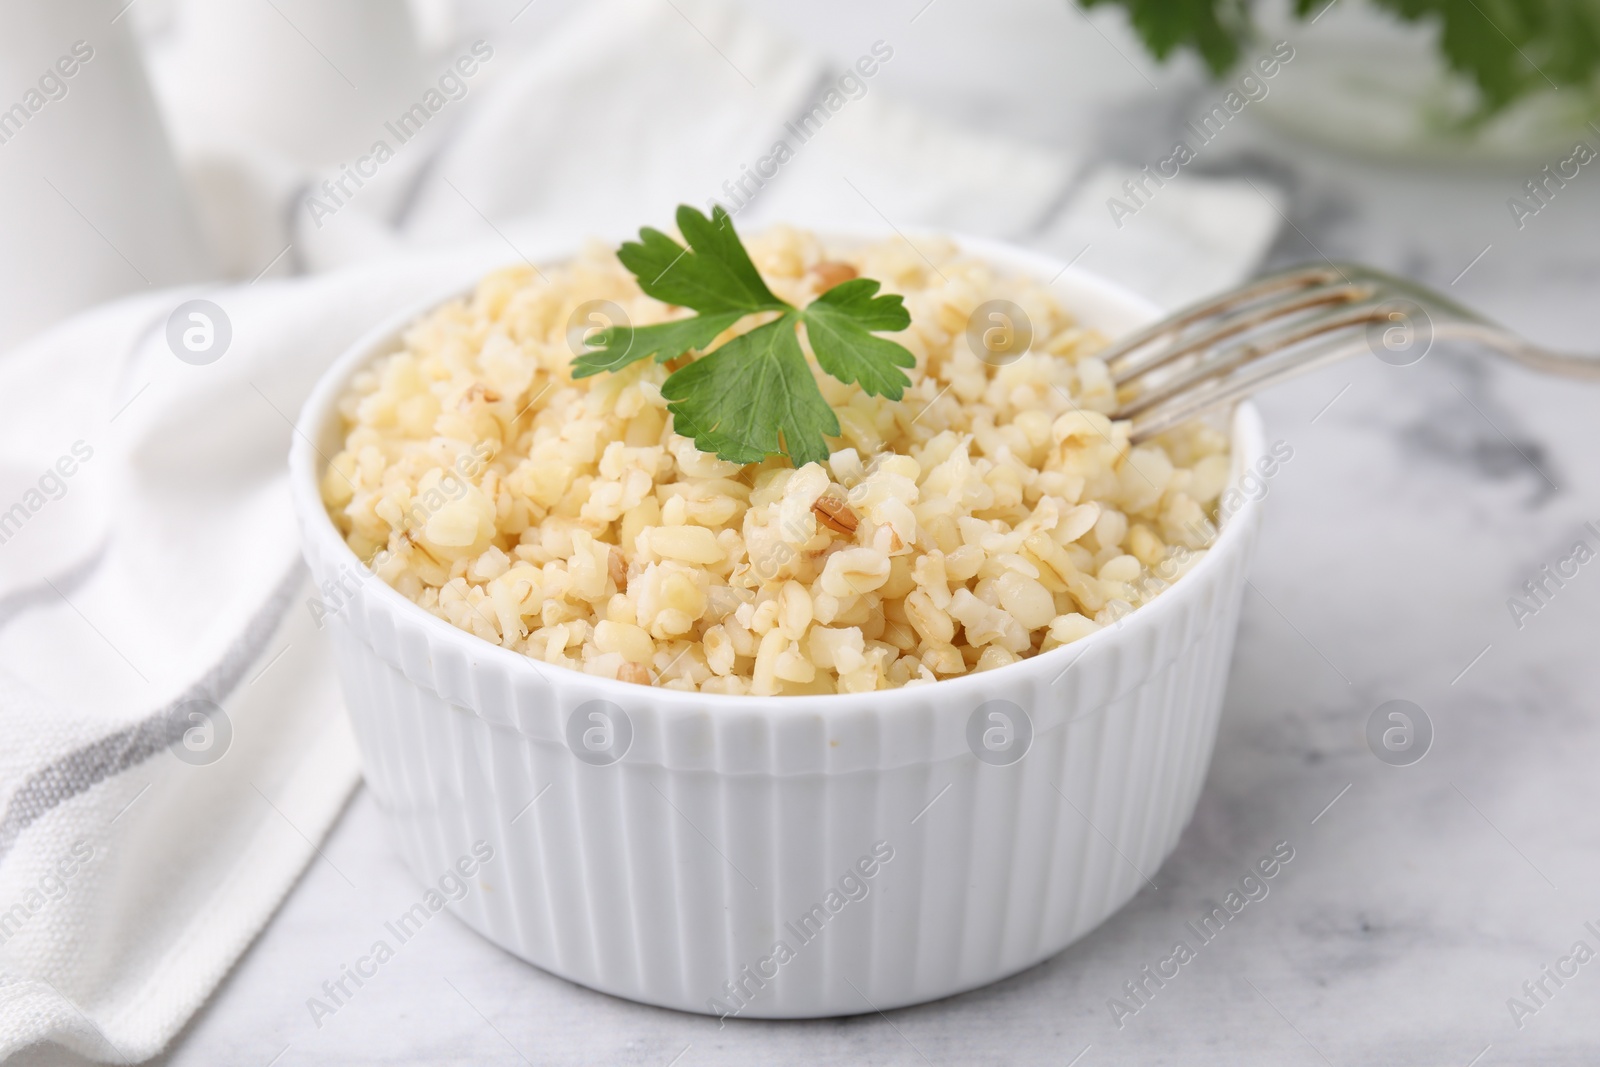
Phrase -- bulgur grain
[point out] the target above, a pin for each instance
(990, 514)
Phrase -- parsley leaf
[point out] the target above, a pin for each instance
(622, 345)
(1511, 50)
(755, 395)
(838, 324)
(713, 274)
(741, 397)
(1216, 29)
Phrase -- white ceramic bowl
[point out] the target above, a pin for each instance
(664, 850)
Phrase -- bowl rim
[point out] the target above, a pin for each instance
(1087, 295)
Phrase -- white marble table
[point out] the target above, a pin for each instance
(1420, 898)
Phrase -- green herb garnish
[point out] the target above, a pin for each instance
(753, 396)
(1509, 50)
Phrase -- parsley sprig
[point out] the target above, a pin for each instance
(1509, 50)
(754, 395)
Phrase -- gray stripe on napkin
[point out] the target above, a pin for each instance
(95, 762)
(48, 591)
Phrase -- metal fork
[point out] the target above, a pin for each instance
(1214, 353)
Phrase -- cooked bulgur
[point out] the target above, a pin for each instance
(990, 514)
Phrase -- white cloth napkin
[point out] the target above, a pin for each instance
(167, 572)
(149, 559)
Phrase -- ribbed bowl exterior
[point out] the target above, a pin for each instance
(784, 857)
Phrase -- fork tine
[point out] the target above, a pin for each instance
(1244, 322)
(1296, 278)
(1272, 350)
(1248, 368)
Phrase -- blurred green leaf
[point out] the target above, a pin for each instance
(1509, 49)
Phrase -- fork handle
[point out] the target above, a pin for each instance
(1519, 350)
